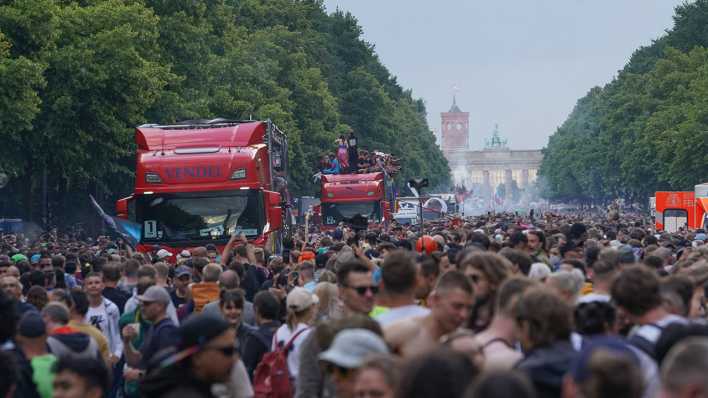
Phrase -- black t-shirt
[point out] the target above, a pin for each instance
(160, 336)
(256, 344)
(176, 300)
(117, 296)
(21, 307)
(253, 280)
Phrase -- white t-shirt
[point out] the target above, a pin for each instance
(400, 313)
(590, 297)
(96, 316)
(282, 336)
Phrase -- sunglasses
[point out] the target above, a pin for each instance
(227, 351)
(361, 290)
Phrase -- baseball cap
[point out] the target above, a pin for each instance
(35, 258)
(155, 294)
(18, 257)
(31, 325)
(351, 347)
(184, 254)
(183, 270)
(299, 299)
(162, 253)
(626, 255)
(700, 236)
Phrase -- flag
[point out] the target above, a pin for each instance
(130, 231)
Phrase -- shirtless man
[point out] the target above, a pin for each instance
(450, 304)
(499, 340)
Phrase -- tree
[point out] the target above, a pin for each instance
(78, 76)
(20, 82)
(644, 131)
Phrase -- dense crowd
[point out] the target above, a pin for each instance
(501, 305)
(350, 159)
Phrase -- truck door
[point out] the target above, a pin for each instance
(675, 219)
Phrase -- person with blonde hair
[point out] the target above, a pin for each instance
(327, 293)
(539, 272)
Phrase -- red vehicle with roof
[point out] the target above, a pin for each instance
(199, 182)
(344, 196)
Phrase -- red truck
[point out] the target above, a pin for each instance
(344, 196)
(199, 182)
(682, 209)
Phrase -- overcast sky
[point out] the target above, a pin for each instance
(522, 64)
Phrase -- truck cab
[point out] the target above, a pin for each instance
(345, 196)
(682, 209)
(199, 182)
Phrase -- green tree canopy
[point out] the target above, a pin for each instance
(78, 76)
(644, 131)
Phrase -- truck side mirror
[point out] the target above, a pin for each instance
(274, 210)
(123, 206)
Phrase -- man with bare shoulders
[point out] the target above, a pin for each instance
(450, 304)
(499, 340)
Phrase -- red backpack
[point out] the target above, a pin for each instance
(272, 377)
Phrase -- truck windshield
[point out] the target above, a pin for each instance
(199, 216)
(333, 213)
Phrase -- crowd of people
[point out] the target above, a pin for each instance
(350, 159)
(500, 305)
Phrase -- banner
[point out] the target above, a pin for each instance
(127, 230)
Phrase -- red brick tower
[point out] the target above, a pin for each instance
(455, 128)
